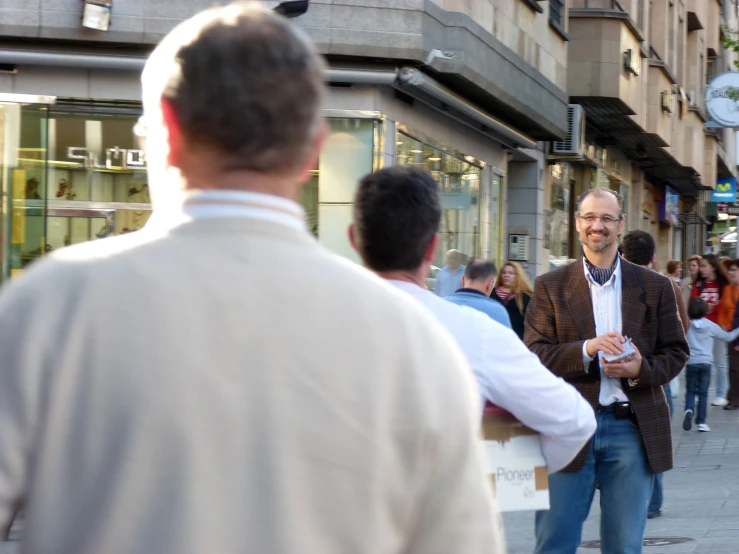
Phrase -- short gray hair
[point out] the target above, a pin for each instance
(243, 81)
(600, 191)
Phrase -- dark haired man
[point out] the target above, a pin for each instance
(579, 314)
(228, 405)
(477, 284)
(397, 213)
(639, 248)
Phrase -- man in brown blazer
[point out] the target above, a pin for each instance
(577, 315)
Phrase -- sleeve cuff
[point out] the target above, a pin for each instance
(585, 358)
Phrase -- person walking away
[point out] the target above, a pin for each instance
(513, 290)
(729, 319)
(675, 271)
(693, 276)
(710, 287)
(215, 412)
(701, 336)
(578, 315)
(397, 214)
(477, 284)
(449, 279)
(638, 247)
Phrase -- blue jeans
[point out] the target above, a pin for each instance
(697, 379)
(617, 463)
(655, 504)
(720, 353)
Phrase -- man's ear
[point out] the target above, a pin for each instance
(312, 162)
(491, 285)
(351, 231)
(174, 133)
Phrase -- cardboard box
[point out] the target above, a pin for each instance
(515, 462)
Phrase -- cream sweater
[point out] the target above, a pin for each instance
(229, 386)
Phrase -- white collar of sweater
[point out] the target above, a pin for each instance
(203, 204)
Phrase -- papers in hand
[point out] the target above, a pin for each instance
(622, 357)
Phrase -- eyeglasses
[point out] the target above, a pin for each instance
(605, 219)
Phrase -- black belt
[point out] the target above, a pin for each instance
(621, 410)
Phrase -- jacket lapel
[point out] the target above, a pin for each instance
(579, 301)
(633, 300)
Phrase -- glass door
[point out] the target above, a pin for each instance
(23, 148)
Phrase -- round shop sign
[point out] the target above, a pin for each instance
(722, 109)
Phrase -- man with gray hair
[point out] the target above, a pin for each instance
(449, 279)
(477, 284)
(302, 406)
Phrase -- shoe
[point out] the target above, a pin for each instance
(688, 420)
(703, 428)
(654, 514)
(731, 407)
(718, 401)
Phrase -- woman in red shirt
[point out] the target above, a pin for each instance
(710, 286)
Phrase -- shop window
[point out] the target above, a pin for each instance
(69, 175)
(350, 153)
(558, 226)
(459, 183)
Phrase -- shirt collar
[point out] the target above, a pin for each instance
(472, 291)
(202, 204)
(602, 277)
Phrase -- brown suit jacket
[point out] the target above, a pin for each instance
(560, 318)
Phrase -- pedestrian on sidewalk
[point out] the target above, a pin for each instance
(690, 279)
(579, 314)
(477, 284)
(638, 247)
(245, 390)
(710, 286)
(701, 337)
(513, 290)
(675, 271)
(730, 320)
(397, 214)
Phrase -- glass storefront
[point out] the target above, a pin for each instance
(72, 172)
(351, 152)
(459, 179)
(69, 174)
(557, 232)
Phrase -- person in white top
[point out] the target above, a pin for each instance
(167, 391)
(397, 213)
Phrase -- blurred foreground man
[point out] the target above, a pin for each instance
(167, 391)
(397, 213)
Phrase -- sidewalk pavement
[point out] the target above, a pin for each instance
(701, 495)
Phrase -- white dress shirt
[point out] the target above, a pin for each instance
(510, 376)
(607, 313)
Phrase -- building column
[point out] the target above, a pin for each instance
(525, 208)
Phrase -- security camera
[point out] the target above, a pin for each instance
(294, 8)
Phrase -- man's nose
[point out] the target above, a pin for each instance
(598, 224)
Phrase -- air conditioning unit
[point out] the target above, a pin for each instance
(574, 143)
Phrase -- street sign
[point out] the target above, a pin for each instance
(725, 190)
(722, 109)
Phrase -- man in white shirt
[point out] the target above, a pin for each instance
(166, 391)
(397, 213)
(577, 315)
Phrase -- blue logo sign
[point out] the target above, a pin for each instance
(725, 190)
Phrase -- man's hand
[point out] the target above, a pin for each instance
(610, 343)
(628, 370)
